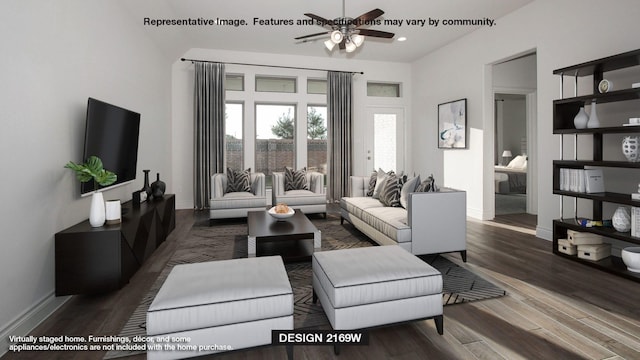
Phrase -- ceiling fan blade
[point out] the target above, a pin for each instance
(376, 33)
(343, 44)
(373, 14)
(320, 19)
(312, 35)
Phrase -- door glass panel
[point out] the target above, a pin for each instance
(385, 141)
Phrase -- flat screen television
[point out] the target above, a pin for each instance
(111, 133)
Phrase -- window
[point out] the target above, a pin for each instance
(275, 84)
(317, 139)
(275, 144)
(234, 82)
(316, 86)
(233, 135)
(383, 89)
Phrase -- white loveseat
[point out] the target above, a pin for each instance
(309, 201)
(432, 223)
(236, 204)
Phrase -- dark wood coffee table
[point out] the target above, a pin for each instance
(282, 236)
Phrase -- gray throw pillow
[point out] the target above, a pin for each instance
(408, 187)
(372, 183)
(429, 185)
(380, 182)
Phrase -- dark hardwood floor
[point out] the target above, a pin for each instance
(555, 309)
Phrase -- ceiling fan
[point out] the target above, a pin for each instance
(346, 32)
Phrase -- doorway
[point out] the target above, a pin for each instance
(385, 141)
(515, 141)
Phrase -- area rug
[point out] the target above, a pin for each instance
(228, 239)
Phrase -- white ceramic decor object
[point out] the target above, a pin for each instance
(630, 148)
(97, 210)
(581, 118)
(631, 258)
(621, 219)
(593, 122)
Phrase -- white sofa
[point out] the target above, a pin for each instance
(432, 223)
(236, 204)
(309, 201)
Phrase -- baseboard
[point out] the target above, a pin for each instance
(544, 233)
(30, 318)
(477, 214)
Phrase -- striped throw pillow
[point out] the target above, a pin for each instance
(295, 179)
(238, 181)
(372, 183)
(390, 193)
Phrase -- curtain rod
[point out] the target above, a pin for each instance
(273, 66)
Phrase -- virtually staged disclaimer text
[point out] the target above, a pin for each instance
(429, 22)
(109, 343)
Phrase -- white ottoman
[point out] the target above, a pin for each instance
(219, 306)
(373, 286)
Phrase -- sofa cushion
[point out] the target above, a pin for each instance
(238, 200)
(238, 180)
(355, 205)
(301, 197)
(391, 221)
(295, 179)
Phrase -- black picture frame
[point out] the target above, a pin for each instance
(452, 124)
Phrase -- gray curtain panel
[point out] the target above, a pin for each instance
(208, 135)
(340, 134)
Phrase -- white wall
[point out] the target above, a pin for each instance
(562, 33)
(55, 56)
(182, 103)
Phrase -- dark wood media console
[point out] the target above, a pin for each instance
(96, 260)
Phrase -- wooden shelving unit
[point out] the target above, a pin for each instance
(564, 110)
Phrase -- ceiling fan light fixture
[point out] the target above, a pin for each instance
(357, 39)
(336, 36)
(329, 44)
(350, 46)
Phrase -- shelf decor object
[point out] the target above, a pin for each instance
(145, 187)
(158, 188)
(621, 219)
(93, 170)
(593, 122)
(580, 121)
(565, 110)
(630, 148)
(113, 213)
(631, 258)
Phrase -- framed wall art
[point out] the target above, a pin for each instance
(452, 124)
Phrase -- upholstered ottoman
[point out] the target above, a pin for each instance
(217, 306)
(373, 286)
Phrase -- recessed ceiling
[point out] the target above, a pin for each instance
(267, 38)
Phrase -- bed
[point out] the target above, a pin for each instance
(512, 179)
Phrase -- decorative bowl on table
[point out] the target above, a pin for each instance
(281, 212)
(631, 258)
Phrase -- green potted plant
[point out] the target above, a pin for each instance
(90, 170)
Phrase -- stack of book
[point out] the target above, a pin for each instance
(582, 180)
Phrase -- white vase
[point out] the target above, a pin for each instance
(621, 219)
(97, 210)
(593, 122)
(580, 120)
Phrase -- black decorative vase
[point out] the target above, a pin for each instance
(157, 188)
(146, 188)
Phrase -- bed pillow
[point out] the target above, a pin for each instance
(409, 186)
(295, 179)
(238, 181)
(519, 162)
